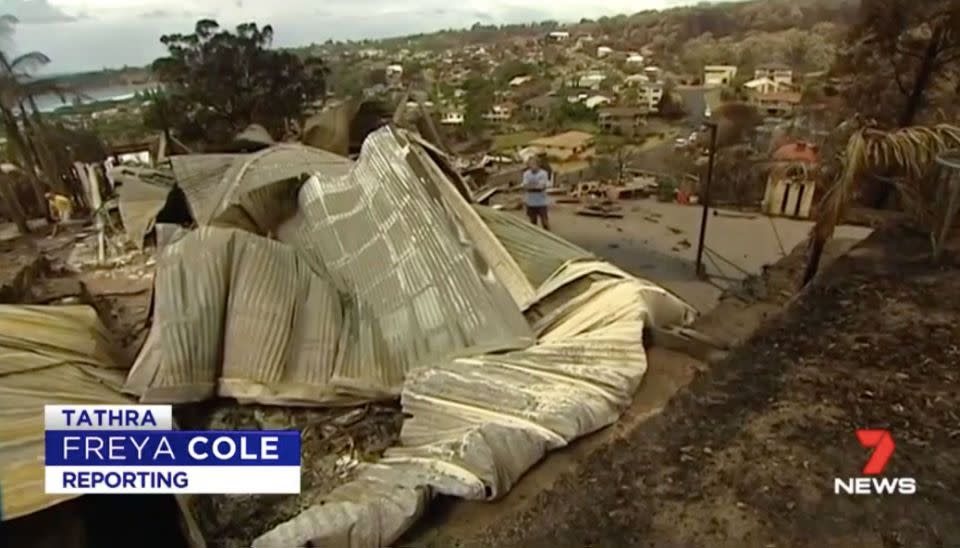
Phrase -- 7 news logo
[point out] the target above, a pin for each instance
(883, 446)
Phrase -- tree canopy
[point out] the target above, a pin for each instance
(219, 82)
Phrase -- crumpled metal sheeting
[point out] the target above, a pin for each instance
(477, 424)
(490, 247)
(199, 176)
(33, 335)
(538, 252)
(265, 184)
(594, 276)
(262, 184)
(140, 202)
(438, 297)
(48, 355)
(537, 408)
(241, 316)
(378, 513)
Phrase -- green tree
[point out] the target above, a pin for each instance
(511, 69)
(477, 101)
(219, 82)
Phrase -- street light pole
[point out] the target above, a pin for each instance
(705, 198)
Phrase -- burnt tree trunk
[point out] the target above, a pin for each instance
(12, 205)
(922, 80)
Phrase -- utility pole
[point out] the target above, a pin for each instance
(705, 198)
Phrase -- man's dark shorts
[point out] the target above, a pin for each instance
(538, 213)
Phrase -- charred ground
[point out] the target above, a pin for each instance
(747, 455)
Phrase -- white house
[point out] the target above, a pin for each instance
(452, 118)
(719, 75)
(559, 35)
(591, 80)
(520, 80)
(394, 74)
(603, 51)
(499, 113)
(634, 59)
(762, 85)
(650, 95)
(653, 73)
(596, 101)
(781, 74)
(636, 79)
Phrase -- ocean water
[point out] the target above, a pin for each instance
(48, 103)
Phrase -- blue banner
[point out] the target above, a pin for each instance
(172, 448)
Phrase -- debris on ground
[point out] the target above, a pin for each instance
(219, 319)
(602, 208)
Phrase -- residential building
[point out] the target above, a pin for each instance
(520, 80)
(797, 152)
(779, 104)
(539, 108)
(781, 74)
(394, 75)
(604, 51)
(452, 118)
(650, 94)
(653, 73)
(596, 101)
(634, 59)
(567, 146)
(558, 36)
(762, 85)
(622, 120)
(499, 113)
(590, 80)
(719, 75)
(636, 80)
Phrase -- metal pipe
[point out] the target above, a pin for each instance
(705, 199)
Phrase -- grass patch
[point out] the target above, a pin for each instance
(509, 141)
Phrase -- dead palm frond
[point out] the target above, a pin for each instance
(905, 154)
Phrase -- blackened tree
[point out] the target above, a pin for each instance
(901, 50)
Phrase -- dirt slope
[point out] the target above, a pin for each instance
(747, 456)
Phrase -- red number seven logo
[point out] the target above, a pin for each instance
(883, 445)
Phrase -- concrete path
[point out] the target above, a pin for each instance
(658, 241)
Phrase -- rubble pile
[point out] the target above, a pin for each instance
(293, 279)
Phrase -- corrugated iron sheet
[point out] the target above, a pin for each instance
(384, 254)
(48, 355)
(142, 193)
(478, 423)
(538, 252)
(199, 175)
(263, 184)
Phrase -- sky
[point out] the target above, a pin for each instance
(80, 35)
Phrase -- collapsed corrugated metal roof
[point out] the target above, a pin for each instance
(256, 183)
(404, 269)
(387, 280)
(538, 252)
(48, 355)
(478, 423)
(142, 193)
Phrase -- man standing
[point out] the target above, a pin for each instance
(535, 183)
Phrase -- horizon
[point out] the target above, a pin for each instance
(93, 35)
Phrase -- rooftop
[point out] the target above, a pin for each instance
(567, 139)
(620, 112)
(782, 96)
